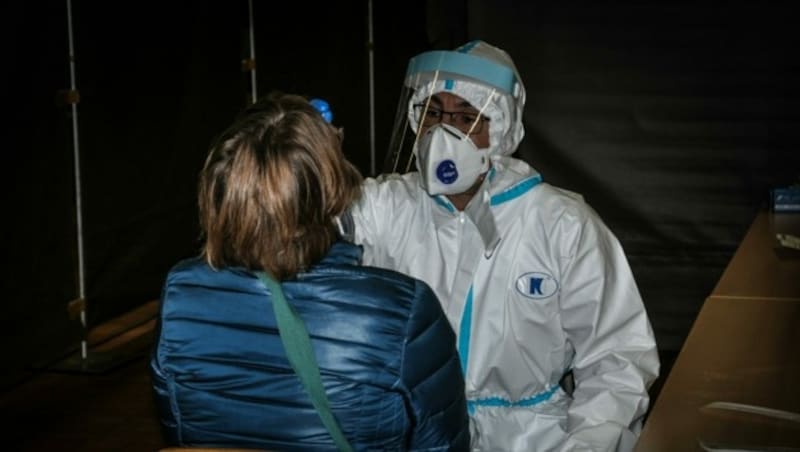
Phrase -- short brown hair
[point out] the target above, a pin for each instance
(272, 185)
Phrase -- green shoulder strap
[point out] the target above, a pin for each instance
(294, 336)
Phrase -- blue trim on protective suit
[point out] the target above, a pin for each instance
(498, 402)
(506, 195)
(492, 173)
(439, 199)
(516, 191)
(463, 64)
(464, 333)
(466, 48)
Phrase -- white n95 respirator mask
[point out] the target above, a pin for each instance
(448, 161)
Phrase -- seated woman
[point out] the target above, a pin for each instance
(270, 194)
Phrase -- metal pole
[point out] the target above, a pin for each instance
(252, 53)
(77, 168)
(371, 49)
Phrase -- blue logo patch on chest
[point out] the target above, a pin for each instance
(536, 285)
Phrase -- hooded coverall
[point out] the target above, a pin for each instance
(535, 286)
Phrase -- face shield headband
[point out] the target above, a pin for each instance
(457, 65)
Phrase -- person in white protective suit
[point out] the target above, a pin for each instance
(533, 282)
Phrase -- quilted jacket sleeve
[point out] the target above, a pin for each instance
(160, 381)
(432, 379)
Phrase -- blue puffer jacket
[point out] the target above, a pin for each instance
(385, 350)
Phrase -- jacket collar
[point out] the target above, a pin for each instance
(342, 253)
(508, 179)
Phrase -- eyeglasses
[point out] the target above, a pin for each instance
(462, 120)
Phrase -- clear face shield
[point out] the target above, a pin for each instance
(447, 116)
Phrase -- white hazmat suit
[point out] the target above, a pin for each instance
(532, 281)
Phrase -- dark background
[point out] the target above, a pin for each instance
(673, 119)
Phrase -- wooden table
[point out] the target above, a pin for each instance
(759, 268)
(744, 348)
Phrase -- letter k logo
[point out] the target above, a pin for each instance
(536, 286)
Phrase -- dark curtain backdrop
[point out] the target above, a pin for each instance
(673, 120)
